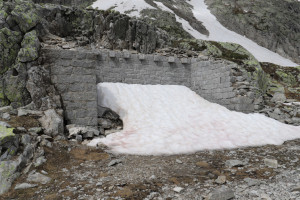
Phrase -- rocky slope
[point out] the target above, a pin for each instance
(272, 24)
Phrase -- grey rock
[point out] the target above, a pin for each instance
(11, 151)
(25, 139)
(28, 153)
(6, 116)
(30, 47)
(52, 123)
(178, 189)
(39, 161)
(223, 193)
(79, 138)
(105, 123)
(38, 178)
(24, 112)
(251, 182)
(11, 40)
(8, 173)
(24, 186)
(278, 97)
(25, 15)
(4, 124)
(21, 129)
(271, 163)
(234, 163)
(86, 132)
(221, 180)
(296, 189)
(114, 162)
(35, 130)
(107, 113)
(179, 161)
(5, 109)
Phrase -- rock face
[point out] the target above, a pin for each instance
(30, 47)
(7, 174)
(25, 16)
(272, 24)
(9, 143)
(9, 47)
(52, 123)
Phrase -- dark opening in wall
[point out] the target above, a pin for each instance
(15, 72)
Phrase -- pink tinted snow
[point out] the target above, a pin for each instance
(169, 119)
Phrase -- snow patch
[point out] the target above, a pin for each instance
(131, 8)
(173, 119)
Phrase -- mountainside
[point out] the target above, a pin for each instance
(193, 19)
(272, 24)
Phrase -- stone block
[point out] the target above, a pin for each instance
(142, 56)
(185, 61)
(126, 54)
(157, 58)
(171, 59)
(112, 54)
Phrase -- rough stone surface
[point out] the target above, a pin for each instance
(271, 163)
(30, 47)
(38, 178)
(272, 24)
(23, 186)
(222, 193)
(86, 132)
(52, 123)
(8, 174)
(25, 15)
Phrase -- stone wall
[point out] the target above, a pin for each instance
(75, 75)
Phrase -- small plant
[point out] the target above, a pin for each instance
(262, 81)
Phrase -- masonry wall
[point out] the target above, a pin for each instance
(75, 74)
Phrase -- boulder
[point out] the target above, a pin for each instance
(30, 47)
(25, 14)
(86, 132)
(24, 112)
(38, 178)
(24, 186)
(5, 109)
(14, 85)
(9, 47)
(7, 136)
(223, 193)
(8, 173)
(278, 97)
(52, 123)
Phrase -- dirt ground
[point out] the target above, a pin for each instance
(81, 172)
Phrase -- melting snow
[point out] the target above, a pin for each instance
(173, 119)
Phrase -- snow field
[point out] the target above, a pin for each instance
(169, 119)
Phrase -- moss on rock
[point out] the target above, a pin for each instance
(30, 47)
(6, 135)
(25, 15)
(9, 47)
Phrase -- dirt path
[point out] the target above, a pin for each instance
(79, 172)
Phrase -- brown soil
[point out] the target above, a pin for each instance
(76, 169)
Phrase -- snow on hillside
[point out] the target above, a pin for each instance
(123, 6)
(173, 119)
(217, 32)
